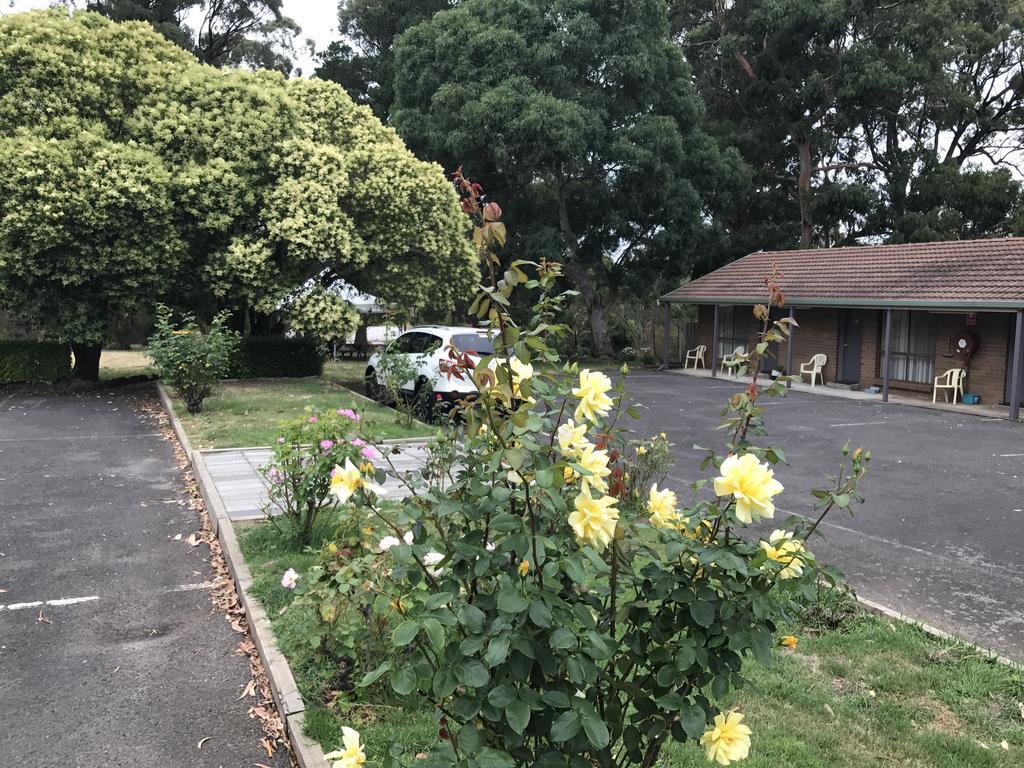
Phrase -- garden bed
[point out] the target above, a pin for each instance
(869, 693)
(246, 413)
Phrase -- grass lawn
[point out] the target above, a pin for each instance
(117, 363)
(871, 694)
(246, 413)
(348, 373)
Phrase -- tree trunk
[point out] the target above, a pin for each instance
(87, 361)
(803, 144)
(362, 340)
(598, 321)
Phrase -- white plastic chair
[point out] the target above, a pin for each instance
(953, 379)
(695, 355)
(814, 368)
(734, 361)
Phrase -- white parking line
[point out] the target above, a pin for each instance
(1010, 455)
(63, 601)
(40, 603)
(858, 424)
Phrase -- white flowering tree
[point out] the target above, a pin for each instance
(547, 616)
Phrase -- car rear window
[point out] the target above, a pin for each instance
(473, 343)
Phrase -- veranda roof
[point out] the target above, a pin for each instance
(968, 275)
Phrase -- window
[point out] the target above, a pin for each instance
(913, 347)
(734, 326)
(476, 344)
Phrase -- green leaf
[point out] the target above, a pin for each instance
(562, 639)
(540, 614)
(470, 739)
(565, 726)
(497, 651)
(445, 682)
(555, 699)
(472, 674)
(471, 617)
(502, 695)
(403, 680)
(693, 720)
(435, 633)
(518, 715)
(594, 727)
(702, 612)
(494, 758)
(511, 600)
(405, 633)
(371, 677)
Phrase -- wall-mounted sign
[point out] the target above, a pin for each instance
(972, 319)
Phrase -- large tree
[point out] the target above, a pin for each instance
(253, 33)
(582, 116)
(362, 62)
(130, 179)
(854, 112)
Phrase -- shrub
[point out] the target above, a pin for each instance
(190, 359)
(547, 615)
(277, 357)
(299, 472)
(395, 371)
(25, 361)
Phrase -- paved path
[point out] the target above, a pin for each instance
(941, 537)
(125, 663)
(243, 489)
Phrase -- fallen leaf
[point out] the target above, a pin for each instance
(1004, 745)
(871, 694)
(981, 744)
(115, 669)
(3, 590)
(178, 537)
(193, 540)
(250, 689)
(203, 741)
(260, 765)
(1020, 706)
(268, 745)
(43, 619)
(829, 710)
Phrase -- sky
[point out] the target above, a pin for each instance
(318, 19)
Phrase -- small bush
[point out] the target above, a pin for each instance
(277, 357)
(190, 360)
(24, 361)
(299, 472)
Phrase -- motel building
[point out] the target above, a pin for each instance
(880, 319)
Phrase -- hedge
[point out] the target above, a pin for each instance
(276, 356)
(24, 361)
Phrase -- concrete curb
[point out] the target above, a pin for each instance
(282, 683)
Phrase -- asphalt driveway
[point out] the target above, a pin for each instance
(941, 535)
(110, 651)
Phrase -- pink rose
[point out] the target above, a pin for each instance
(369, 453)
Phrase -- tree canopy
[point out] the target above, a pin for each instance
(253, 33)
(133, 174)
(581, 114)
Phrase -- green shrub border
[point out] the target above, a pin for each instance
(277, 357)
(33, 361)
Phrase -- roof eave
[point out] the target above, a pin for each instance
(799, 301)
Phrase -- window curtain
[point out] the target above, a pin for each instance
(913, 347)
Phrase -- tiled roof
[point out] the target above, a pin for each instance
(956, 273)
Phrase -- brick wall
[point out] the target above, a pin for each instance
(817, 332)
(986, 372)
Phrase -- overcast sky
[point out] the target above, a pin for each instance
(318, 19)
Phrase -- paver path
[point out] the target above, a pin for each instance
(243, 489)
(125, 663)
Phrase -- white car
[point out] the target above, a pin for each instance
(427, 349)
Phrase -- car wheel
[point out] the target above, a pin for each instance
(423, 402)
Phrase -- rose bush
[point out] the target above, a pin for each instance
(547, 611)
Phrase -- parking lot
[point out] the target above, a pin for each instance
(939, 537)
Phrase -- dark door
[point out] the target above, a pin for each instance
(851, 334)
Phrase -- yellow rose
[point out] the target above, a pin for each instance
(783, 548)
(524, 568)
(571, 438)
(789, 641)
(596, 463)
(593, 394)
(568, 474)
(345, 481)
(520, 372)
(593, 520)
(640, 450)
(727, 740)
(352, 755)
(751, 483)
(661, 506)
